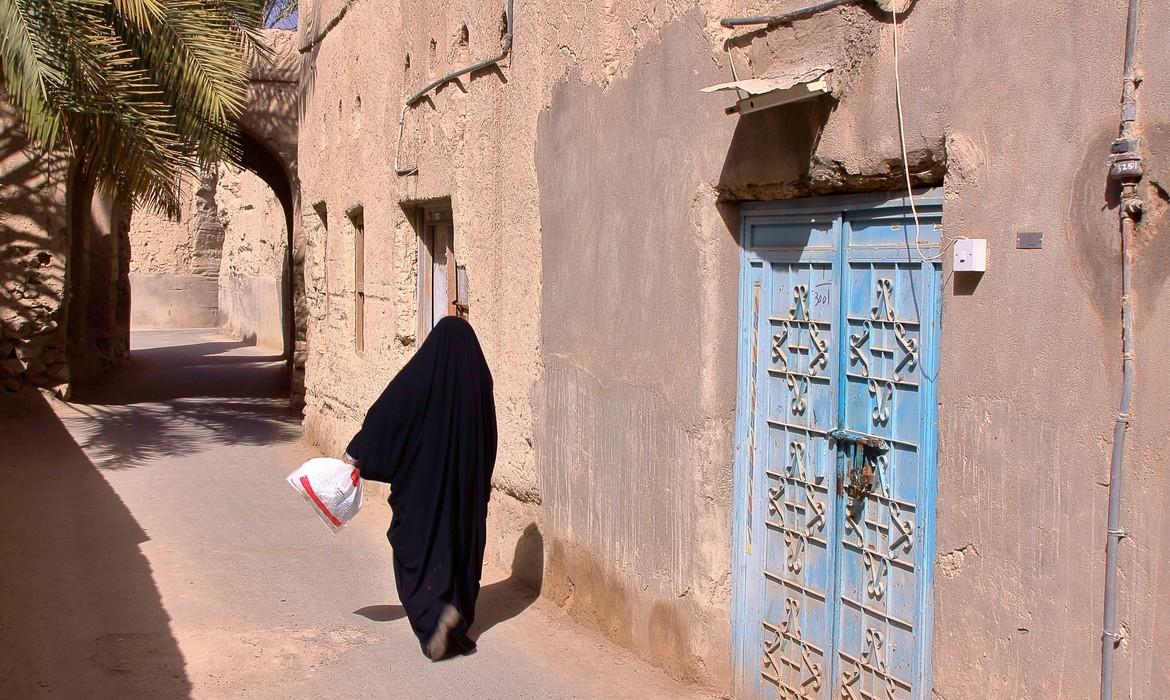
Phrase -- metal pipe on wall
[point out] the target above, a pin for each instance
(1126, 168)
(505, 51)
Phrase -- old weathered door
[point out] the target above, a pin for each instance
(836, 458)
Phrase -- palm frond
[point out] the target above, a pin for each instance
(27, 71)
(143, 92)
(140, 12)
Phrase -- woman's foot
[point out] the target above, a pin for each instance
(448, 620)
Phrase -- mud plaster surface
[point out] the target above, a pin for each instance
(998, 113)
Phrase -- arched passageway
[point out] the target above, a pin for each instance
(242, 275)
(223, 262)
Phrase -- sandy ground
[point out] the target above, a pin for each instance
(151, 548)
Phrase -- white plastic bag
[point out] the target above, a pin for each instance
(332, 487)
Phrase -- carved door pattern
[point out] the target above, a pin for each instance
(835, 473)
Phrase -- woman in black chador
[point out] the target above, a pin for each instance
(431, 435)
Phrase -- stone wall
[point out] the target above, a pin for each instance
(64, 293)
(34, 247)
(98, 295)
(596, 197)
(174, 262)
(253, 302)
(220, 263)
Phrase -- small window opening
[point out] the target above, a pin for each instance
(322, 211)
(357, 218)
(406, 63)
(463, 36)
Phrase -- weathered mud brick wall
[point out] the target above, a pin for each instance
(219, 263)
(34, 244)
(253, 297)
(175, 261)
(595, 194)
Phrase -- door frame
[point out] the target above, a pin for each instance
(745, 568)
(428, 217)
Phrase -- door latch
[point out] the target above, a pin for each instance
(860, 480)
(863, 453)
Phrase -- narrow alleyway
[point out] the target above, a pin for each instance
(151, 549)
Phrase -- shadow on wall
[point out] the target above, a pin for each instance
(98, 316)
(504, 600)
(773, 156)
(311, 28)
(33, 248)
(79, 610)
(771, 151)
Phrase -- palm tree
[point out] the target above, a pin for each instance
(140, 92)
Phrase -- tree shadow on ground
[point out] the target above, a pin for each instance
(504, 600)
(181, 399)
(123, 437)
(201, 369)
(80, 615)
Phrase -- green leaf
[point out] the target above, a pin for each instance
(143, 93)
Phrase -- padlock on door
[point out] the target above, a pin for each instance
(863, 452)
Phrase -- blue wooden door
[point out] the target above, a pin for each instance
(835, 470)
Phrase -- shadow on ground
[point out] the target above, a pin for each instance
(80, 615)
(215, 369)
(381, 613)
(498, 602)
(504, 600)
(124, 437)
(180, 398)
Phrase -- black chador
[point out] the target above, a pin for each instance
(431, 435)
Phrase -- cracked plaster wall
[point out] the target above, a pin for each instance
(594, 192)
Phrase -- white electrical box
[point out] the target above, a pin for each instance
(970, 255)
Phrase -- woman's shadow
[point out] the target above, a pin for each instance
(504, 600)
(500, 601)
(381, 613)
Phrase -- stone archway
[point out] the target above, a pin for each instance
(183, 276)
(259, 159)
(268, 141)
(65, 249)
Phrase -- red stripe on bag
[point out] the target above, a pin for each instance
(313, 495)
(356, 476)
